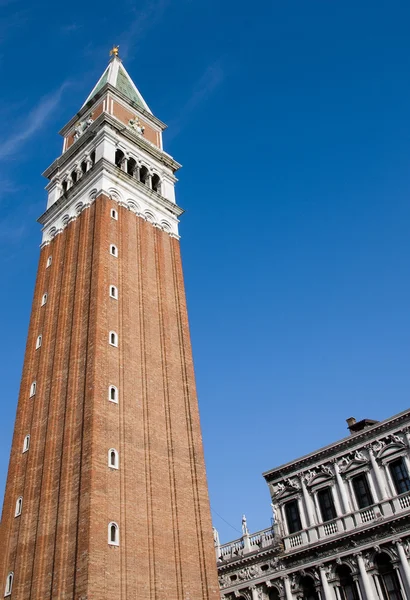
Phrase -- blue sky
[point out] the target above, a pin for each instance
(292, 122)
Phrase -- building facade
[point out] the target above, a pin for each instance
(106, 493)
(340, 527)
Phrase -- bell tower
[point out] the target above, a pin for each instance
(106, 493)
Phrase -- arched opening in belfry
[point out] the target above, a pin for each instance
(156, 183)
(74, 176)
(273, 594)
(131, 166)
(347, 585)
(144, 175)
(119, 158)
(92, 157)
(387, 577)
(64, 186)
(84, 167)
(307, 586)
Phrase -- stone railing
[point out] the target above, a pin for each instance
(247, 544)
(348, 522)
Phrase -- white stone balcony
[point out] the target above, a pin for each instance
(247, 544)
(348, 522)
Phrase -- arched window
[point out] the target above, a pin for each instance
(84, 167)
(44, 299)
(33, 389)
(49, 259)
(114, 214)
(144, 175)
(347, 585)
(9, 584)
(92, 158)
(19, 507)
(74, 176)
(119, 158)
(113, 534)
(26, 444)
(113, 460)
(131, 165)
(307, 585)
(273, 594)
(64, 186)
(113, 292)
(39, 342)
(113, 338)
(113, 250)
(113, 394)
(156, 183)
(387, 576)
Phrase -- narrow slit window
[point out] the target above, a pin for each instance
(44, 299)
(33, 389)
(113, 394)
(113, 534)
(19, 507)
(113, 461)
(39, 342)
(114, 214)
(114, 250)
(113, 292)
(26, 444)
(49, 259)
(9, 584)
(113, 339)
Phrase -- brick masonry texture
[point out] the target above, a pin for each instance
(58, 547)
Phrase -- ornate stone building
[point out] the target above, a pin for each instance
(340, 527)
(106, 493)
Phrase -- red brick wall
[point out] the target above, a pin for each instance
(58, 547)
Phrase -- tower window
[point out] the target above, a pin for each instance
(113, 394)
(33, 389)
(113, 534)
(84, 167)
(114, 250)
(26, 444)
(9, 584)
(156, 183)
(144, 175)
(39, 341)
(326, 504)
(113, 338)
(44, 299)
(49, 259)
(119, 158)
(293, 516)
(113, 460)
(114, 214)
(113, 292)
(362, 491)
(400, 475)
(19, 507)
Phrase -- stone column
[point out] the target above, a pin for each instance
(373, 489)
(405, 568)
(325, 584)
(136, 173)
(254, 591)
(342, 489)
(365, 579)
(308, 503)
(288, 590)
(148, 181)
(377, 473)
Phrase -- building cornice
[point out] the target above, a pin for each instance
(339, 446)
(117, 125)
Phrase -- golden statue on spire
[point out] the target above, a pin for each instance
(114, 51)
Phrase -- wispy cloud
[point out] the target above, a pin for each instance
(209, 81)
(32, 124)
(144, 19)
(71, 27)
